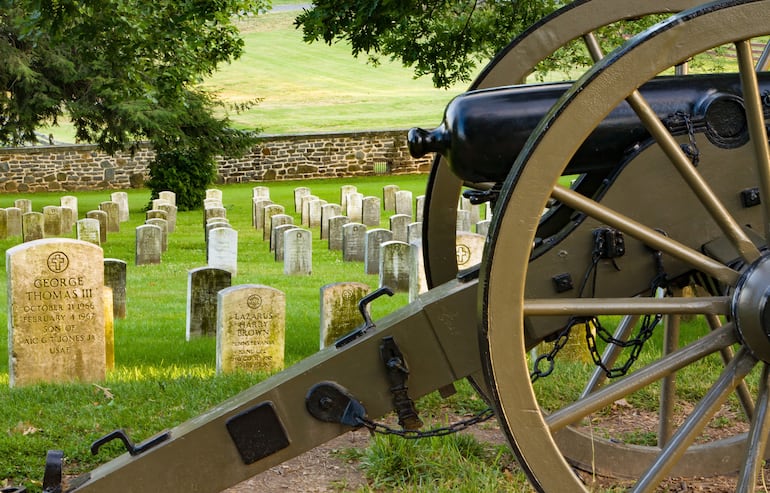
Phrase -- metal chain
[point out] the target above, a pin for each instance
(383, 429)
(691, 148)
(649, 322)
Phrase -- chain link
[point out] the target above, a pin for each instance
(658, 285)
(383, 429)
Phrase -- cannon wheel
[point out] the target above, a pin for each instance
(504, 305)
(511, 66)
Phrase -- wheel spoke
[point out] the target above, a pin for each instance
(756, 123)
(757, 439)
(735, 372)
(668, 384)
(639, 305)
(698, 349)
(695, 181)
(744, 396)
(646, 235)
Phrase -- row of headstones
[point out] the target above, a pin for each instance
(64, 297)
(58, 221)
(384, 252)
(152, 237)
(249, 320)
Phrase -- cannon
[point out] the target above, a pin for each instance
(625, 190)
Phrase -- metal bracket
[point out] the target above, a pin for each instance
(130, 447)
(53, 471)
(363, 305)
(331, 403)
(398, 373)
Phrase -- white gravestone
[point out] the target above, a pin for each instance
(297, 252)
(223, 249)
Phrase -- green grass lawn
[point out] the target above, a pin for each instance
(159, 379)
(311, 88)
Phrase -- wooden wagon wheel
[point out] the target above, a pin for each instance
(642, 204)
(511, 66)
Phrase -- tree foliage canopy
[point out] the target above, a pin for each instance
(122, 70)
(446, 39)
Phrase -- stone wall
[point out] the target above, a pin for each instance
(285, 157)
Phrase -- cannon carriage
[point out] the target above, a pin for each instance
(613, 195)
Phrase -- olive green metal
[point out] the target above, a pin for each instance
(667, 397)
(436, 334)
(508, 277)
(758, 435)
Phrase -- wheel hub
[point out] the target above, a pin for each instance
(751, 308)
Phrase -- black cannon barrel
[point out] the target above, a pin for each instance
(483, 131)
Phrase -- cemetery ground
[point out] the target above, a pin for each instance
(160, 380)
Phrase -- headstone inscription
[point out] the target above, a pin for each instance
(328, 211)
(374, 238)
(155, 214)
(336, 232)
(14, 221)
(168, 196)
(345, 191)
(353, 241)
(278, 240)
(469, 249)
(482, 227)
(52, 221)
(88, 230)
(394, 266)
(100, 216)
(314, 208)
(389, 197)
(3, 224)
(260, 192)
(355, 207)
(109, 329)
(297, 252)
(113, 215)
(418, 283)
(32, 226)
(115, 279)
(275, 221)
(300, 192)
(305, 209)
(163, 225)
(148, 244)
(251, 327)
(170, 210)
(268, 213)
(121, 198)
(258, 212)
(463, 222)
(67, 221)
(56, 312)
(223, 249)
(404, 202)
(70, 202)
(413, 232)
(339, 309)
(203, 284)
(24, 204)
(214, 193)
(370, 211)
(419, 205)
(399, 224)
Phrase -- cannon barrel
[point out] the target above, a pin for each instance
(483, 131)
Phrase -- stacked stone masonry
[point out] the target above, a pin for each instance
(285, 157)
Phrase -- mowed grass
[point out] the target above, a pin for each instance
(160, 379)
(314, 88)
